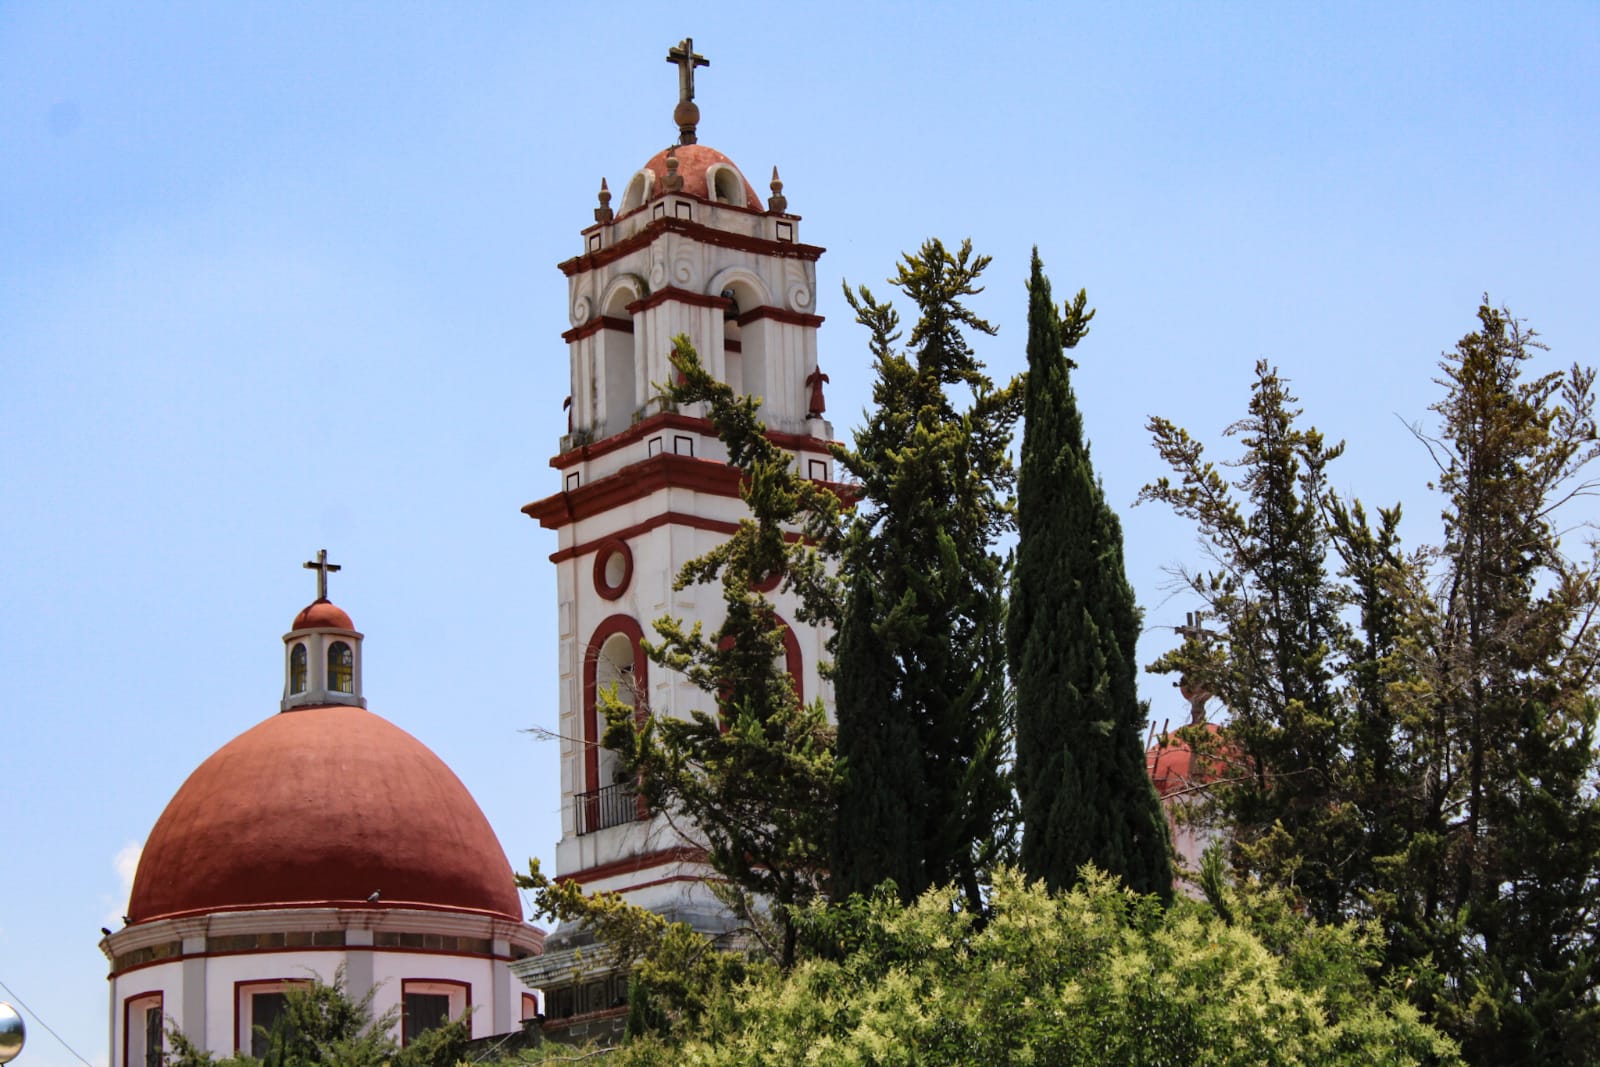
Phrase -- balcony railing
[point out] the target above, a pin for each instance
(613, 805)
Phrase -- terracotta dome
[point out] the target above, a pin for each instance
(322, 613)
(1174, 767)
(316, 807)
(693, 162)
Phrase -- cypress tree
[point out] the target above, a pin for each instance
(1072, 629)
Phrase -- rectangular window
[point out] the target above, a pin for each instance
(425, 1011)
(266, 1011)
(152, 1037)
(257, 1008)
(429, 1003)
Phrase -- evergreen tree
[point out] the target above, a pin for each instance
(1072, 631)
(923, 629)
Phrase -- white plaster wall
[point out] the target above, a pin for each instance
(391, 969)
(163, 978)
(222, 972)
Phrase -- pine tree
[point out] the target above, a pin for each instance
(1500, 879)
(1072, 631)
(753, 782)
(1273, 665)
(921, 639)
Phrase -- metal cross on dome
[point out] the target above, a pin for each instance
(683, 55)
(686, 114)
(323, 568)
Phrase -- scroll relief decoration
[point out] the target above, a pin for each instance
(683, 272)
(798, 289)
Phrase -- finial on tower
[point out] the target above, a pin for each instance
(777, 202)
(323, 568)
(686, 114)
(603, 213)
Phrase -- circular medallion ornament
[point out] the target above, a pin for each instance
(613, 569)
(13, 1035)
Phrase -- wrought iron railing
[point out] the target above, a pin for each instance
(613, 805)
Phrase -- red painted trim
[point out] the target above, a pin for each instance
(700, 232)
(730, 345)
(662, 420)
(465, 986)
(602, 558)
(679, 296)
(629, 627)
(595, 325)
(793, 318)
(670, 880)
(635, 864)
(127, 1008)
(407, 905)
(672, 420)
(238, 996)
(635, 482)
(676, 518)
(793, 661)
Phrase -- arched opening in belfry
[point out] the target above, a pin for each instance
(615, 672)
(637, 192)
(727, 187)
(621, 371)
(743, 362)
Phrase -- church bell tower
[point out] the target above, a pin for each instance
(643, 487)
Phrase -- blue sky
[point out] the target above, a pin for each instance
(278, 277)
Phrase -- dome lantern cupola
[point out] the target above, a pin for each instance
(322, 651)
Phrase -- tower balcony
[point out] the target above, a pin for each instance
(601, 809)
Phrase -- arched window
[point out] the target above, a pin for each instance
(341, 668)
(297, 669)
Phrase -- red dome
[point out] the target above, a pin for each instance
(693, 162)
(322, 613)
(1174, 768)
(322, 806)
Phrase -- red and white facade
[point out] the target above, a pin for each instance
(323, 838)
(643, 489)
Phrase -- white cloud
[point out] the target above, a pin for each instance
(126, 864)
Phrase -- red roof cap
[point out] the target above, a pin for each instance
(320, 613)
(693, 162)
(322, 806)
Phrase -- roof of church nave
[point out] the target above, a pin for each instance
(322, 806)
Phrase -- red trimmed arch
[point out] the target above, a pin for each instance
(611, 626)
(793, 661)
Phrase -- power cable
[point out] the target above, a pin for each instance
(44, 1024)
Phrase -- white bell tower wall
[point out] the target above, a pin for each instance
(643, 488)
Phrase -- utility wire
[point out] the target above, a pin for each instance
(46, 1025)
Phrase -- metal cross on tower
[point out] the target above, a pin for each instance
(686, 114)
(323, 568)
